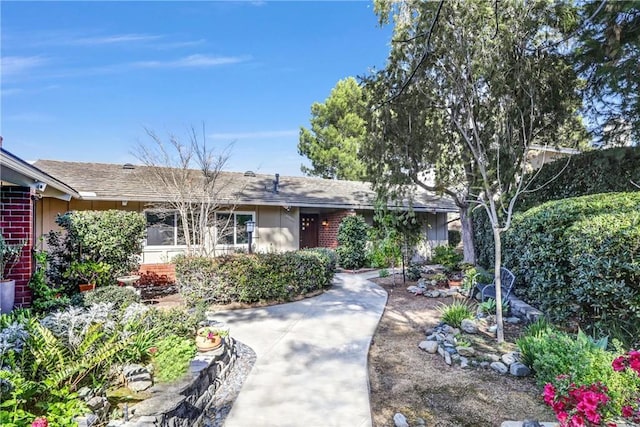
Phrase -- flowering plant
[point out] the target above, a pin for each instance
(40, 422)
(210, 332)
(576, 406)
(585, 405)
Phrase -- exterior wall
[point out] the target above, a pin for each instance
(436, 233)
(16, 222)
(327, 236)
(277, 229)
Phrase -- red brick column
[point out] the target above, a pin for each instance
(16, 222)
(168, 270)
(328, 234)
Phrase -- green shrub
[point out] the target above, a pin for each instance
(121, 297)
(446, 256)
(46, 296)
(113, 237)
(352, 242)
(592, 172)
(175, 321)
(328, 256)
(253, 278)
(453, 314)
(550, 353)
(173, 358)
(385, 252)
(383, 273)
(414, 272)
(575, 259)
(454, 237)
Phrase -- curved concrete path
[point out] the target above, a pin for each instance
(311, 367)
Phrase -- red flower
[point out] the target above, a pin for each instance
(627, 411)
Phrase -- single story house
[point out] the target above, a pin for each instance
(289, 212)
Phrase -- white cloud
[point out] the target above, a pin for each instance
(12, 65)
(111, 39)
(265, 134)
(191, 61)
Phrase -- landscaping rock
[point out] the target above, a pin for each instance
(400, 420)
(429, 346)
(432, 294)
(465, 351)
(509, 359)
(513, 320)
(492, 357)
(420, 422)
(464, 362)
(447, 358)
(469, 326)
(499, 367)
(518, 369)
(450, 330)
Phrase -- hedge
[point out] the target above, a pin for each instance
(262, 277)
(579, 259)
(592, 172)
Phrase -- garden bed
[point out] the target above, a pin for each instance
(420, 385)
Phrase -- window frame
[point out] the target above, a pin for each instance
(219, 245)
(167, 212)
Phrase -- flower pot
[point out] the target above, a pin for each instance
(86, 287)
(204, 343)
(7, 295)
(454, 283)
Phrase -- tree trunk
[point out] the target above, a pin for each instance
(469, 252)
(497, 264)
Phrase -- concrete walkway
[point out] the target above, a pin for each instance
(311, 367)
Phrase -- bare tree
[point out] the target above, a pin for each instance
(187, 178)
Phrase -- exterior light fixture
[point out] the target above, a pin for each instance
(325, 222)
(250, 227)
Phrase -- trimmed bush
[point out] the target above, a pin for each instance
(446, 256)
(352, 242)
(253, 278)
(577, 259)
(592, 172)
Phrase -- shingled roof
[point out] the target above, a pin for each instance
(104, 181)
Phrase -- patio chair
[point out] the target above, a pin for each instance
(488, 290)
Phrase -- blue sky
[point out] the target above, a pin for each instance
(82, 80)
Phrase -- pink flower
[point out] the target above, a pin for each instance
(549, 393)
(618, 364)
(627, 411)
(577, 421)
(40, 422)
(562, 416)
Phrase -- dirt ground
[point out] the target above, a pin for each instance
(406, 379)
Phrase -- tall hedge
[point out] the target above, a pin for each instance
(352, 242)
(253, 278)
(579, 258)
(592, 172)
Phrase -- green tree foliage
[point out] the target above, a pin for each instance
(468, 89)
(352, 242)
(608, 53)
(337, 132)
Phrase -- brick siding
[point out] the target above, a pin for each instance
(16, 222)
(328, 235)
(168, 270)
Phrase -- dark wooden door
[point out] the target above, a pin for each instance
(309, 230)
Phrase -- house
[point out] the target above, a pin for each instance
(23, 188)
(289, 212)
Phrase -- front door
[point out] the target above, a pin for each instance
(309, 230)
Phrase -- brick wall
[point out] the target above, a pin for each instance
(328, 235)
(16, 221)
(160, 269)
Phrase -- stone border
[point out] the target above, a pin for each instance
(523, 310)
(183, 404)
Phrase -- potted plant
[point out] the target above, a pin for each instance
(209, 338)
(455, 280)
(88, 273)
(9, 257)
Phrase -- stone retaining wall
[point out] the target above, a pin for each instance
(523, 310)
(183, 404)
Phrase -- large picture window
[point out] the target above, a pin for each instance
(231, 228)
(164, 228)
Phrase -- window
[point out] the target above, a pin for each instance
(231, 228)
(164, 229)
